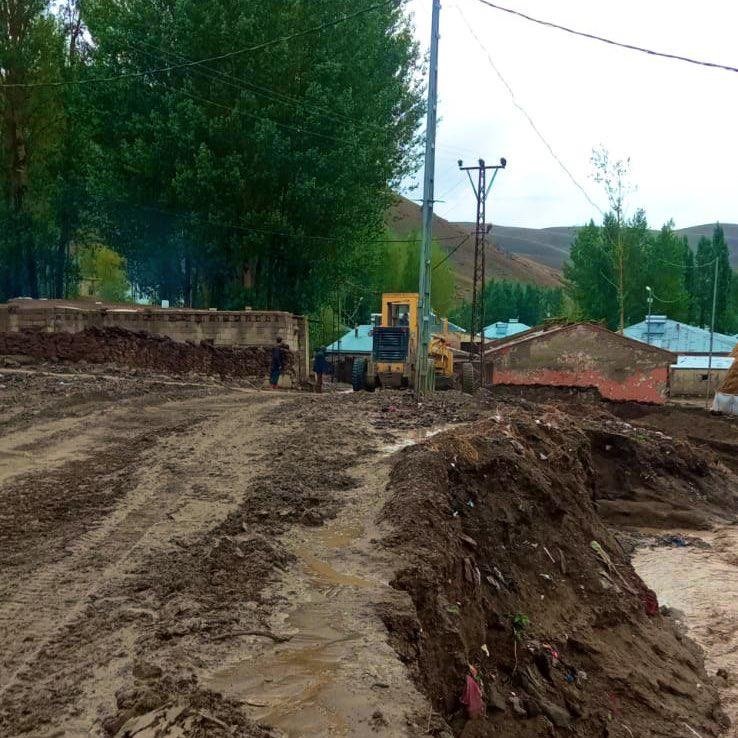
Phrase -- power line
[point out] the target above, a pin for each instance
(172, 67)
(239, 83)
(602, 39)
(227, 108)
(669, 302)
(453, 251)
(250, 229)
(530, 120)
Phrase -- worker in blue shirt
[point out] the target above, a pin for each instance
(320, 367)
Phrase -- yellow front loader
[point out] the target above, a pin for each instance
(394, 348)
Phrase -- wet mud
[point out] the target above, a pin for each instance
(699, 583)
(187, 558)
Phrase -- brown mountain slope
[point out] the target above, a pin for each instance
(404, 219)
(550, 246)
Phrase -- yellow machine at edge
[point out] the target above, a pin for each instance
(394, 348)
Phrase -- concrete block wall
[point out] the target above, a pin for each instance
(222, 328)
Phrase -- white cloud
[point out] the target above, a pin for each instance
(676, 121)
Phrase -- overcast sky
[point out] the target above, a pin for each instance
(677, 122)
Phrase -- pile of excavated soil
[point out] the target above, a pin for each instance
(142, 350)
(511, 569)
(657, 466)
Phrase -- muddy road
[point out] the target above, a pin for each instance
(161, 540)
(190, 557)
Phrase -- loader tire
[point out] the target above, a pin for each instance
(468, 379)
(358, 375)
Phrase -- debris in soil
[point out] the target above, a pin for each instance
(401, 410)
(642, 476)
(139, 349)
(168, 707)
(585, 652)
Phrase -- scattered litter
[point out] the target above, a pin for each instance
(692, 730)
(485, 649)
(472, 696)
(516, 705)
(603, 556)
(563, 562)
(548, 553)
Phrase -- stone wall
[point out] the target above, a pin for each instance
(222, 328)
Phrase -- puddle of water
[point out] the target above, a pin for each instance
(703, 584)
(335, 536)
(289, 687)
(321, 573)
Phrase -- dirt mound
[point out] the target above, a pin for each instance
(730, 383)
(510, 568)
(141, 350)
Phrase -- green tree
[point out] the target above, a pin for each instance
(614, 176)
(589, 276)
(703, 281)
(667, 270)
(690, 284)
(710, 251)
(401, 267)
(30, 49)
(102, 273)
(505, 300)
(260, 178)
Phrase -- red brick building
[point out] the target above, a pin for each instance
(583, 355)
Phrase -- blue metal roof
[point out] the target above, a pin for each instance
(351, 343)
(702, 362)
(504, 328)
(680, 338)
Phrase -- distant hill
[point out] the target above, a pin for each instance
(404, 219)
(694, 233)
(550, 246)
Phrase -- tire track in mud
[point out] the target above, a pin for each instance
(40, 611)
(31, 617)
(177, 567)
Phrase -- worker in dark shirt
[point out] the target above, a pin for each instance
(277, 365)
(320, 367)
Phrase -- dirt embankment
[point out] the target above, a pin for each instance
(511, 569)
(140, 350)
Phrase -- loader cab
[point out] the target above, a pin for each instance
(400, 310)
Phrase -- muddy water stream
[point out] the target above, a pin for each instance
(702, 583)
(338, 674)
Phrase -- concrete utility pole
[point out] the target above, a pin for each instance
(649, 300)
(423, 374)
(481, 191)
(712, 332)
